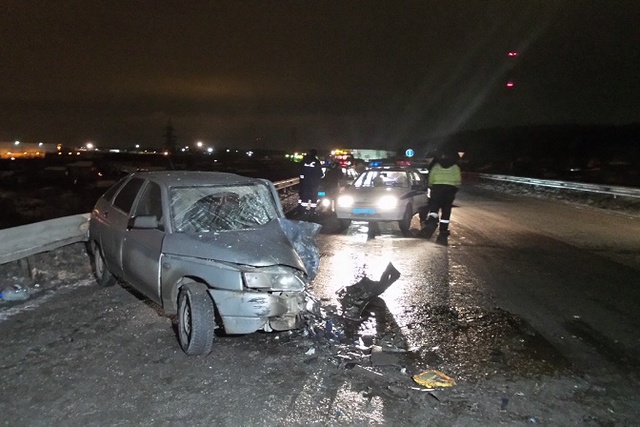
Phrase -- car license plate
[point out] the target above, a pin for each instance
(364, 211)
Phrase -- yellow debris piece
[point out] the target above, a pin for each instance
(433, 379)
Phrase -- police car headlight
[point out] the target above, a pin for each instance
(345, 201)
(274, 279)
(387, 202)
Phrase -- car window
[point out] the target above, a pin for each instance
(417, 178)
(108, 195)
(221, 208)
(150, 202)
(125, 198)
(366, 179)
(383, 178)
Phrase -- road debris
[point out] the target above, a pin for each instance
(433, 379)
(356, 297)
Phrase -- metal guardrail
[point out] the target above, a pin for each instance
(287, 183)
(611, 190)
(27, 240)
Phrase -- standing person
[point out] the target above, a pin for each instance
(332, 178)
(310, 177)
(444, 180)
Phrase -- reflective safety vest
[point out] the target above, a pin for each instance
(445, 176)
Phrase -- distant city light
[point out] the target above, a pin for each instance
(510, 85)
(17, 143)
(512, 53)
(199, 144)
(210, 150)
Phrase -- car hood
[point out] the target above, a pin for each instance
(280, 241)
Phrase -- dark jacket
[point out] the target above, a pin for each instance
(310, 170)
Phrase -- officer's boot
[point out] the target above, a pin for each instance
(429, 226)
(443, 234)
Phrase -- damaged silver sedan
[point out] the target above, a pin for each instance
(214, 248)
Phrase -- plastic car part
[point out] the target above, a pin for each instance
(196, 319)
(433, 379)
(302, 235)
(103, 275)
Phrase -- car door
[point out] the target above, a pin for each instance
(116, 218)
(141, 250)
(420, 191)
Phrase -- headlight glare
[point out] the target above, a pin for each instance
(345, 201)
(387, 202)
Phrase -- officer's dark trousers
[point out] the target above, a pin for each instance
(308, 194)
(441, 199)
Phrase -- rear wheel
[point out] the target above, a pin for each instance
(103, 275)
(196, 319)
(405, 222)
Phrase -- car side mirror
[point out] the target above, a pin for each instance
(144, 222)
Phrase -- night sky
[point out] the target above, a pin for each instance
(298, 74)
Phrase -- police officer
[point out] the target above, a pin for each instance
(310, 176)
(332, 179)
(444, 180)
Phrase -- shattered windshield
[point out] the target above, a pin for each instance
(221, 208)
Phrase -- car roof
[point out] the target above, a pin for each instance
(194, 178)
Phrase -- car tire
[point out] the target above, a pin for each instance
(196, 319)
(343, 224)
(405, 222)
(103, 275)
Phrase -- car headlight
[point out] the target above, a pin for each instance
(387, 202)
(325, 203)
(345, 201)
(276, 278)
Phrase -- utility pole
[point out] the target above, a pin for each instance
(169, 139)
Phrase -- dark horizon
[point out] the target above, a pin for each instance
(290, 75)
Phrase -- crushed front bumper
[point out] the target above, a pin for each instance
(249, 311)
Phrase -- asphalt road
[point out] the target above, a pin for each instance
(532, 309)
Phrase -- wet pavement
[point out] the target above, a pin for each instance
(420, 320)
(487, 311)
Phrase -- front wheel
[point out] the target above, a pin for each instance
(196, 319)
(343, 224)
(405, 222)
(103, 275)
